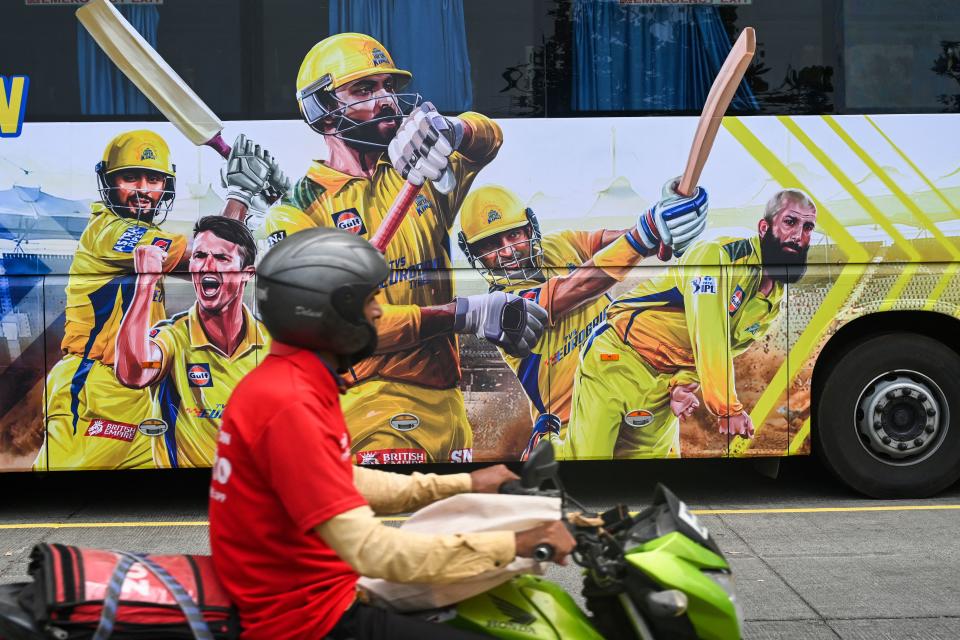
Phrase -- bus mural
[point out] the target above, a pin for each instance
(874, 230)
(808, 302)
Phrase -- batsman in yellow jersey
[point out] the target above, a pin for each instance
(193, 361)
(678, 332)
(405, 405)
(92, 421)
(568, 274)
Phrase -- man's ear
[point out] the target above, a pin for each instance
(248, 272)
(762, 227)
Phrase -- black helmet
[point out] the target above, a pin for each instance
(311, 288)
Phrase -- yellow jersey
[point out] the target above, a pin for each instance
(418, 255)
(196, 380)
(692, 322)
(547, 374)
(102, 281)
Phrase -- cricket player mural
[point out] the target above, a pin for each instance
(679, 333)
(192, 361)
(91, 420)
(502, 240)
(405, 405)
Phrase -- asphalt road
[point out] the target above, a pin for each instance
(811, 559)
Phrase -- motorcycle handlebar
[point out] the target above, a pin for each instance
(512, 487)
(544, 552)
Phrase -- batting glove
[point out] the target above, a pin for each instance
(421, 149)
(251, 172)
(675, 221)
(512, 323)
(546, 426)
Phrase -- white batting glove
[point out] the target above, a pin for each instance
(675, 221)
(251, 172)
(512, 323)
(421, 149)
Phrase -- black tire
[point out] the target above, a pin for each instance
(888, 416)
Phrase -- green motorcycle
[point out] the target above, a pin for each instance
(657, 574)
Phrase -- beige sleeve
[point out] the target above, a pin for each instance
(378, 551)
(387, 492)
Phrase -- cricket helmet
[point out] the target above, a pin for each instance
(332, 63)
(493, 210)
(311, 290)
(137, 150)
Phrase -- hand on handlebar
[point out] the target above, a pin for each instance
(553, 534)
(489, 479)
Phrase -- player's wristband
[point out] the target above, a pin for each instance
(617, 258)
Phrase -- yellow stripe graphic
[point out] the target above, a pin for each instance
(895, 189)
(898, 286)
(850, 187)
(799, 438)
(913, 166)
(835, 298)
(948, 275)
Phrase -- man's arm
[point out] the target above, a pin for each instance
(379, 551)
(708, 323)
(134, 347)
(563, 294)
(388, 492)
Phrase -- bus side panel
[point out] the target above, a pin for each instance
(22, 365)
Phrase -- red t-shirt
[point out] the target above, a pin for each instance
(282, 468)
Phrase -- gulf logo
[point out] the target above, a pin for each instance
(199, 375)
(349, 220)
(404, 422)
(638, 418)
(735, 300)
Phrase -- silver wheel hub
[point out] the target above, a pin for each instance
(901, 417)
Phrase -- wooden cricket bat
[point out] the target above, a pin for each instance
(144, 67)
(721, 93)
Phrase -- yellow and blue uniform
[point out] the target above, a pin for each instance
(407, 375)
(196, 380)
(91, 419)
(684, 326)
(547, 374)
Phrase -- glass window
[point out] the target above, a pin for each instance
(290, 28)
(39, 41)
(504, 39)
(901, 56)
(203, 42)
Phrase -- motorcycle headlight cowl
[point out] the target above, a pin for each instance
(726, 582)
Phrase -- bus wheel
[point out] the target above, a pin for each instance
(888, 416)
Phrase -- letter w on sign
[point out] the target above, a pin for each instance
(13, 104)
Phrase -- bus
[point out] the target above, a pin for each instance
(817, 312)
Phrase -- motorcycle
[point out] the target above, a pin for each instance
(656, 574)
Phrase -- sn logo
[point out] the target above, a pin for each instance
(13, 104)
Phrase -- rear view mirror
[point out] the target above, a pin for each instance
(540, 467)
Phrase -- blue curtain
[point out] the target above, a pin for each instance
(103, 89)
(633, 57)
(428, 38)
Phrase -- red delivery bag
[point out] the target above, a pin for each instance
(97, 594)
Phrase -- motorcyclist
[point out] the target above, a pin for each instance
(292, 522)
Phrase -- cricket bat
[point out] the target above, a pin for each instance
(721, 93)
(144, 67)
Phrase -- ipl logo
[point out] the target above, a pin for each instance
(492, 215)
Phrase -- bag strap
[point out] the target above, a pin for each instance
(108, 615)
(198, 626)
